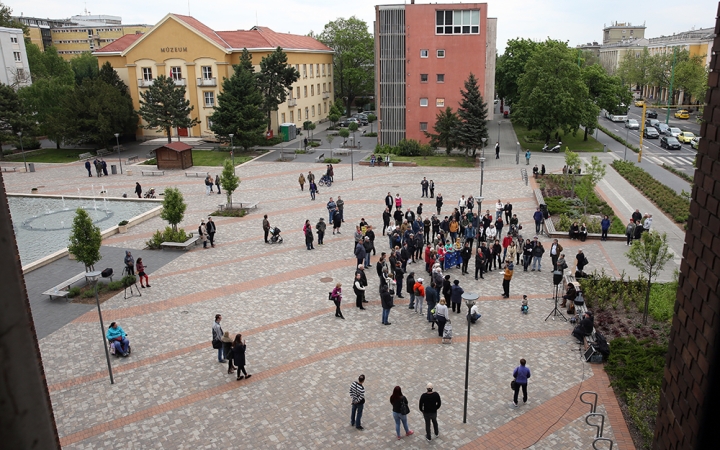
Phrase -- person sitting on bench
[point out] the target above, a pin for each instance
(570, 294)
(475, 313)
(585, 327)
(117, 336)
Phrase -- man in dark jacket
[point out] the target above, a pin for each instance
(398, 216)
(360, 253)
(211, 230)
(432, 299)
(138, 189)
(399, 275)
(480, 262)
(456, 293)
(389, 201)
(386, 220)
(538, 217)
(321, 226)
(380, 265)
(429, 404)
(409, 284)
(405, 255)
(387, 303)
(410, 216)
(368, 246)
(439, 202)
(585, 327)
(465, 254)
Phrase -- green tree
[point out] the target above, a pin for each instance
(330, 138)
(691, 76)
(174, 207)
(229, 180)
(163, 105)
(572, 162)
(85, 240)
(511, 66)
(274, 80)
(96, 111)
(594, 172)
(649, 254)
(7, 21)
(344, 133)
(111, 77)
(635, 69)
(371, 118)
(354, 59)
(473, 117)
(334, 114)
(45, 99)
(239, 109)
(49, 64)
(605, 91)
(446, 128)
(353, 127)
(84, 66)
(14, 117)
(553, 95)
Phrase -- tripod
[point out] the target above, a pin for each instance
(556, 312)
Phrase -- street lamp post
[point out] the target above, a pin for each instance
(517, 153)
(117, 141)
(22, 150)
(499, 122)
(482, 173)
(232, 150)
(484, 140)
(96, 276)
(470, 299)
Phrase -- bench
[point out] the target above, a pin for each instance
(63, 289)
(9, 169)
(153, 172)
(340, 151)
(196, 174)
(103, 152)
(132, 159)
(85, 156)
(118, 148)
(320, 158)
(181, 245)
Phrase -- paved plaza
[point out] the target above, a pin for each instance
(172, 393)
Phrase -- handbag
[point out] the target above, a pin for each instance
(404, 408)
(330, 296)
(513, 385)
(216, 344)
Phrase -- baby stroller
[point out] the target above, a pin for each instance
(275, 237)
(325, 181)
(447, 333)
(150, 193)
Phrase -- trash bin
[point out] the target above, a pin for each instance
(113, 169)
(390, 164)
(128, 173)
(31, 167)
(604, 148)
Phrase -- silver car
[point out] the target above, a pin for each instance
(673, 131)
(632, 124)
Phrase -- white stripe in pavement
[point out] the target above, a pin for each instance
(687, 161)
(654, 159)
(622, 200)
(666, 160)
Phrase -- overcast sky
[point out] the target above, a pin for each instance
(575, 21)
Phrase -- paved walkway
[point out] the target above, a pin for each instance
(172, 393)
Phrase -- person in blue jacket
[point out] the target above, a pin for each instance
(117, 336)
(521, 375)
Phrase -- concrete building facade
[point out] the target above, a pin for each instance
(199, 58)
(611, 55)
(13, 57)
(424, 54)
(617, 32)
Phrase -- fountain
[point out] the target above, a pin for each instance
(63, 200)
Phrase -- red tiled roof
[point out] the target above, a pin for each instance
(120, 44)
(203, 29)
(178, 146)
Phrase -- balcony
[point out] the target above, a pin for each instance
(292, 102)
(207, 82)
(179, 81)
(326, 95)
(145, 83)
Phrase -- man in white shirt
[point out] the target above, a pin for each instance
(475, 313)
(648, 223)
(499, 208)
(462, 204)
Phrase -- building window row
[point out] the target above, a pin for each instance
(17, 56)
(13, 39)
(314, 71)
(440, 78)
(457, 22)
(439, 102)
(424, 53)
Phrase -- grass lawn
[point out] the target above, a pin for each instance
(50, 155)
(574, 143)
(434, 161)
(209, 158)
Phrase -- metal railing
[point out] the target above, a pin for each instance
(524, 176)
(600, 427)
(603, 439)
(593, 405)
(207, 81)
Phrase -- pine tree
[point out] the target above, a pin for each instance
(446, 129)
(239, 109)
(274, 81)
(473, 117)
(163, 105)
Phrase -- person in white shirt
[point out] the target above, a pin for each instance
(499, 208)
(475, 313)
(462, 204)
(648, 223)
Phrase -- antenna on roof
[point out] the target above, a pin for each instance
(188, 7)
(256, 19)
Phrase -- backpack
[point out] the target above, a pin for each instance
(416, 291)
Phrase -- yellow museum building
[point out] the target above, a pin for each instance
(197, 57)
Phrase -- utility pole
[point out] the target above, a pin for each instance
(670, 92)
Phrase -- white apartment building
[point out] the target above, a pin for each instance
(15, 68)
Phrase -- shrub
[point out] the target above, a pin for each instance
(331, 160)
(115, 285)
(88, 293)
(74, 292)
(124, 222)
(230, 213)
(618, 138)
(642, 409)
(128, 280)
(408, 147)
(274, 141)
(28, 143)
(314, 144)
(384, 149)
(166, 236)
(662, 301)
(150, 162)
(373, 134)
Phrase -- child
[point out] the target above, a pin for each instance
(524, 307)
(227, 347)
(141, 273)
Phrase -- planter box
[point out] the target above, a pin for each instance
(122, 229)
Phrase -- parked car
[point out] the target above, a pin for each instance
(651, 114)
(346, 122)
(651, 122)
(682, 114)
(639, 102)
(669, 143)
(695, 143)
(661, 127)
(686, 137)
(673, 131)
(650, 133)
(632, 124)
(361, 118)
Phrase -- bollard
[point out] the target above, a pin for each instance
(604, 148)
(113, 169)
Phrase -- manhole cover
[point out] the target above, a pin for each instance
(326, 279)
(184, 312)
(396, 186)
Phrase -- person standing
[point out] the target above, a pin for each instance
(537, 254)
(400, 409)
(217, 334)
(509, 266)
(313, 189)
(321, 227)
(88, 168)
(340, 206)
(429, 404)
(337, 222)
(360, 252)
(424, 185)
(217, 183)
(647, 224)
(398, 201)
(630, 231)
(538, 218)
(386, 301)
(359, 290)
(138, 189)
(410, 288)
(357, 396)
(480, 262)
(527, 158)
(129, 263)
(368, 246)
(439, 202)
(301, 180)
(399, 275)
(332, 209)
(466, 254)
(208, 185)
(508, 212)
(386, 219)
(266, 227)
(604, 227)
(419, 291)
(555, 250)
(238, 351)
(431, 298)
(307, 229)
(441, 316)
(462, 204)
(310, 177)
(581, 261)
(103, 164)
(211, 230)
(98, 168)
(497, 150)
(521, 375)
(499, 208)
(456, 293)
(202, 232)
(432, 189)
(336, 297)
(141, 273)
(389, 201)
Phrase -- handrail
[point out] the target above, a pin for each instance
(593, 405)
(599, 427)
(603, 439)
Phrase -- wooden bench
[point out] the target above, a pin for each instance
(63, 289)
(9, 169)
(85, 156)
(340, 151)
(181, 245)
(103, 152)
(196, 174)
(130, 159)
(245, 204)
(153, 172)
(320, 158)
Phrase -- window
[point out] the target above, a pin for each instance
(324, 84)
(329, 87)
(423, 53)
(304, 70)
(298, 92)
(440, 102)
(176, 73)
(209, 99)
(317, 69)
(323, 66)
(423, 102)
(441, 53)
(297, 67)
(13, 39)
(318, 88)
(299, 115)
(305, 89)
(307, 113)
(457, 22)
(207, 72)
(312, 89)
(329, 70)
(292, 116)
(313, 111)
(441, 78)
(423, 77)
(282, 117)
(17, 56)
(311, 71)
(325, 107)
(423, 126)
(147, 73)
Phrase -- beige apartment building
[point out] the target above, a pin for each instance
(625, 31)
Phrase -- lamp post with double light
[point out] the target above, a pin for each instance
(117, 141)
(22, 150)
(95, 275)
(232, 150)
(470, 300)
